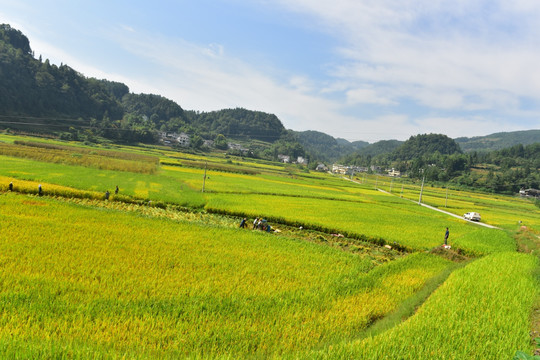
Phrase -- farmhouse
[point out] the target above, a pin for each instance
(171, 138)
(339, 169)
(301, 160)
(183, 140)
(284, 158)
(394, 173)
(321, 167)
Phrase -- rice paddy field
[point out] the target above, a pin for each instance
(162, 269)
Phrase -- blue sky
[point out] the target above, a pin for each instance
(357, 69)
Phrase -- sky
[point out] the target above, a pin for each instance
(364, 70)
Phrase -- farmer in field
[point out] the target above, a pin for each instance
(107, 194)
(243, 223)
(446, 234)
(40, 190)
(11, 186)
(255, 223)
(116, 190)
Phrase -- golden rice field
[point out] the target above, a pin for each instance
(500, 210)
(135, 278)
(409, 225)
(76, 280)
(108, 160)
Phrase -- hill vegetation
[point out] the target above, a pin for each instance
(325, 148)
(498, 141)
(39, 97)
(437, 158)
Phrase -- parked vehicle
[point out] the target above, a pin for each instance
(472, 216)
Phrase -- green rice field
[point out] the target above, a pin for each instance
(162, 270)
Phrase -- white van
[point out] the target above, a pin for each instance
(472, 216)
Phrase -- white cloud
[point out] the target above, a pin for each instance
(367, 96)
(461, 48)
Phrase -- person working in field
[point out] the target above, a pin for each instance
(243, 223)
(116, 190)
(446, 234)
(11, 186)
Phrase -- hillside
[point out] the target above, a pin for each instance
(326, 148)
(39, 97)
(498, 141)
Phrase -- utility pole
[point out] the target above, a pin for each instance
(391, 183)
(421, 190)
(401, 188)
(377, 182)
(446, 201)
(204, 177)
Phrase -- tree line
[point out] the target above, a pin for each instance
(437, 158)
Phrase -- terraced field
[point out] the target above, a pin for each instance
(162, 269)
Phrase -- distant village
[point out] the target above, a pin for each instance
(183, 140)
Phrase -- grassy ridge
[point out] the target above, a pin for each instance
(481, 312)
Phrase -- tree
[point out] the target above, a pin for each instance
(220, 142)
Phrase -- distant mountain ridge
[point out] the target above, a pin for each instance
(498, 141)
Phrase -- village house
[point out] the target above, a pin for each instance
(284, 158)
(339, 169)
(171, 138)
(394, 173)
(183, 140)
(301, 160)
(321, 167)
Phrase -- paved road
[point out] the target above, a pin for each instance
(436, 209)
(447, 213)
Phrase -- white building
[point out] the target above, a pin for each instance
(183, 140)
(284, 158)
(301, 160)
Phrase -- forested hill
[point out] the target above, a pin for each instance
(238, 124)
(41, 97)
(36, 88)
(499, 141)
(326, 148)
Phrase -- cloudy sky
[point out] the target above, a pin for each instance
(356, 69)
